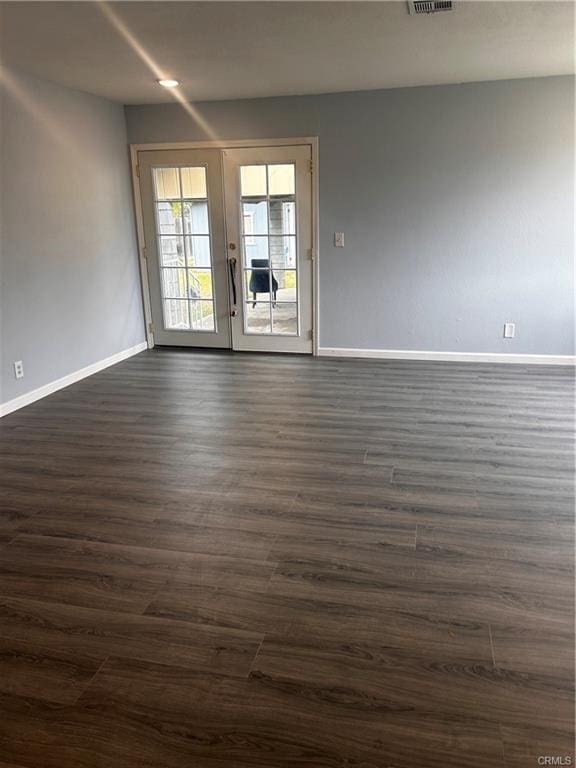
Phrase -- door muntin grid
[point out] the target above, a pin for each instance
(182, 216)
(269, 247)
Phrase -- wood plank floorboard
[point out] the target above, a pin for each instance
(217, 560)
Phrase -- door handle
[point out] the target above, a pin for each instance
(232, 271)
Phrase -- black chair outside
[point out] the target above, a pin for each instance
(260, 279)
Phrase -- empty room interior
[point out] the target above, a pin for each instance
(287, 323)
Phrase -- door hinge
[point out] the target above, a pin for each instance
(150, 327)
(310, 335)
(144, 254)
(311, 254)
(137, 169)
(311, 166)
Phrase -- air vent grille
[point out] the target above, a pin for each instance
(430, 6)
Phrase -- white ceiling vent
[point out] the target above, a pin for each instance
(429, 6)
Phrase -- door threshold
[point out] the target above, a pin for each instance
(164, 348)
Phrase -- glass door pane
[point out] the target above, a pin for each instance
(269, 248)
(183, 232)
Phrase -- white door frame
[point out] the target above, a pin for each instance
(311, 141)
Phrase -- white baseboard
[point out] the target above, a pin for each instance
(71, 378)
(455, 357)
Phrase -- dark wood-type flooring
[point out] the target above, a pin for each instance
(242, 561)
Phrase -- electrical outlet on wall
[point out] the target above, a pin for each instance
(19, 369)
(509, 330)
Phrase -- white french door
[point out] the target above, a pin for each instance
(185, 239)
(269, 231)
(228, 237)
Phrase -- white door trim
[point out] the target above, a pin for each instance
(226, 143)
(312, 141)
(139, 214)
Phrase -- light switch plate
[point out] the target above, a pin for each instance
(339, 239)
(509, 330)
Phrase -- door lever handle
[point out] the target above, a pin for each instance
(232, 271)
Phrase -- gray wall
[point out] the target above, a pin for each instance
(69, 282)
(456, 203)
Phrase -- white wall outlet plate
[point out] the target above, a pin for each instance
(19, 369)
(339, 239)
(509, 330)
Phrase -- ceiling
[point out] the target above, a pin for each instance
(222, 50)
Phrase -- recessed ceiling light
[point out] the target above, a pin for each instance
(168, 83)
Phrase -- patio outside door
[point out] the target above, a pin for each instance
(182, 206)
(269, 230)
(228, 244)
